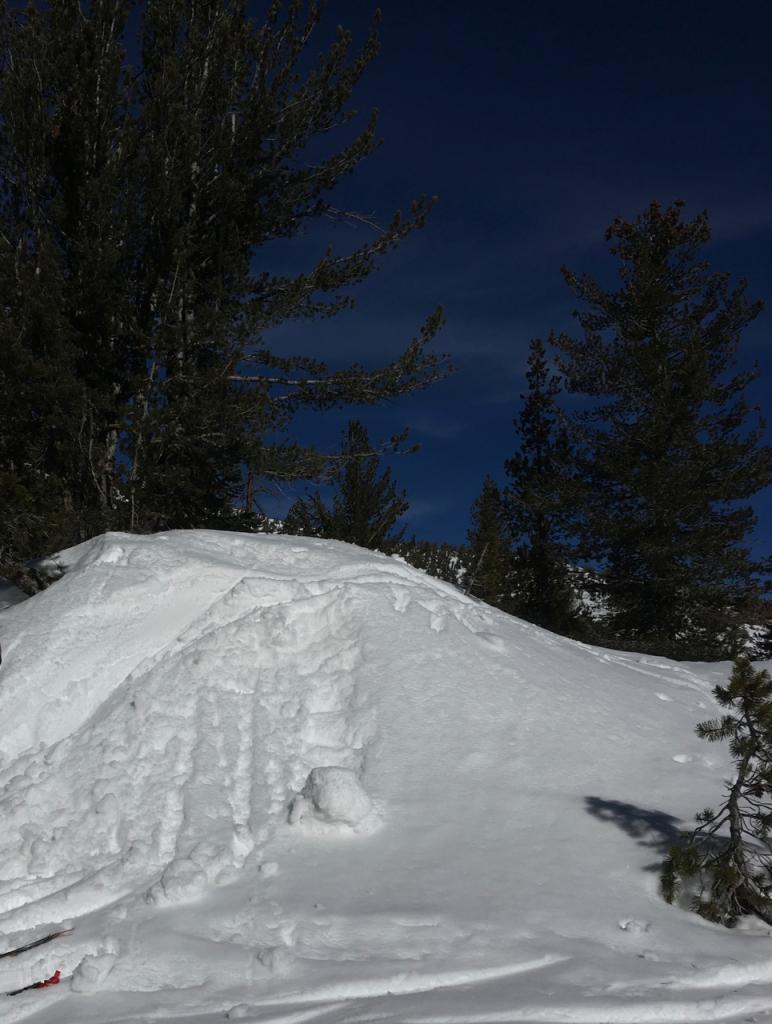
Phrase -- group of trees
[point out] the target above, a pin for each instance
(624, 515)
(645, 471)
(149, 154)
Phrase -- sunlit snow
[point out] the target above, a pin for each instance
(273, 779)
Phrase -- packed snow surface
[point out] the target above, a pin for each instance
(278, 780)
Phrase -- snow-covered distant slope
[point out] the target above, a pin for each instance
(485, 851)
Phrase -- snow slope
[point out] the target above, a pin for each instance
(280, 780)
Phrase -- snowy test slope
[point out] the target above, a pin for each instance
(280, 780)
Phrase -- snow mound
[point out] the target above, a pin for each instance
(285, 778)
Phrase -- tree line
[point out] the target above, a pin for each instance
(625, 515)
(150, 156)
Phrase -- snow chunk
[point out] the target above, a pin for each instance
(92, 971)
(334, 795)
(634, 927)
(239, 1012)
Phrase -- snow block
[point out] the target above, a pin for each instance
(334, 795)
(92, 971)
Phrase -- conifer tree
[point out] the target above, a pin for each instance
(489, 560)
(670, 449)
(366, 504)
(136, 205)
(727, 859)
(538, 503)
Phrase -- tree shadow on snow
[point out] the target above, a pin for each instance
(655, 830)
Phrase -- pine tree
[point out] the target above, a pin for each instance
(538, 503)
(669, 449)
(489, 572)
(366, 504)
(136, 205)
(731, 876)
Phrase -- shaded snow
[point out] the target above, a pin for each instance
(285, 779)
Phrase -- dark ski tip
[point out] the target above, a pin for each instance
(36, 942)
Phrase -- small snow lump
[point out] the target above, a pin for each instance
(334, 795)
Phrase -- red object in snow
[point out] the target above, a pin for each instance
(55, 978)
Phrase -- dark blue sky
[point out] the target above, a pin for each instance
(536, 125)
